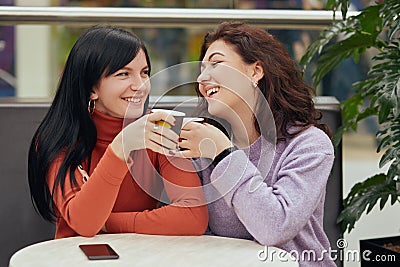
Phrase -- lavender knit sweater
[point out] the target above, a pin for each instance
(273, 197)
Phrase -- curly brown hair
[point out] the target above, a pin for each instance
(290, 99)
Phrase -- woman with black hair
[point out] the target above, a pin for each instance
(98, 163)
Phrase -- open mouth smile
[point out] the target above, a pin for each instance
(133, 99)
(212, 91)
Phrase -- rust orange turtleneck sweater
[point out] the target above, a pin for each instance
(119, 200)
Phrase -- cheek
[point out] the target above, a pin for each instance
(231, 78)
(147, 85)
(201, 90)
(231, 98)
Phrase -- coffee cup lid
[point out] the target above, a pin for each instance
(169, 111)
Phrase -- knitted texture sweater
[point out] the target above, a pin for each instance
(273, 194)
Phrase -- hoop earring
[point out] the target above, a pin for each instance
(91, 106)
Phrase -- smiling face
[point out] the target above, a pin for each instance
(226, 81)
(128, 86)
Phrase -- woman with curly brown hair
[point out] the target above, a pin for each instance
(265, 173)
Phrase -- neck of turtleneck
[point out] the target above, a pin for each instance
(107, 127)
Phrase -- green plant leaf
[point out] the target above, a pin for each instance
(394, 197)
(376, 26)
(344, 6)
(386, 158)
(382, 86)
(350, 111)
(368, 112)
(383, 201)
(357, 33)
(390, 13)
(385, 109)
(335, 54)
(324, 38)
(337, 136)
(370, 21)
(353, 112)
(363, 196)
(393, 172)
(389, 136)
(385, 141)
(335, 4)
(332, 5)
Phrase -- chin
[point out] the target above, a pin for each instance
(217, 109)
(134, 112)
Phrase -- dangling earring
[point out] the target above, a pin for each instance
(91, 106)
(255, 84)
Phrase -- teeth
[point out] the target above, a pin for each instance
(133, 100)
(212, 91)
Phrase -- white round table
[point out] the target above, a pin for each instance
(154, 250)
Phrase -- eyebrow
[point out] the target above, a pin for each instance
(211, 56)
(215, 53)
(130, 69)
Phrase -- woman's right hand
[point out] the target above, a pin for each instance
(202, 140)
(143, 133)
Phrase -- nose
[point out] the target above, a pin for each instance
(204, 75)
(138, 84)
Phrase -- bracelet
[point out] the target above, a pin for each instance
(223, 154)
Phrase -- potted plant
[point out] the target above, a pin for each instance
(375, 27)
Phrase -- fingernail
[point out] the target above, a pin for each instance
(174, 123)
(180, 139)
(172, 152)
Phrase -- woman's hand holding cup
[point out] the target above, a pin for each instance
(202, 140)
(177, 115)
(163, 136)
(151, 131)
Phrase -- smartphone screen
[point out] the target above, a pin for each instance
(99, 251)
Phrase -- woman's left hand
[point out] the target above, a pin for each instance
(202, 140)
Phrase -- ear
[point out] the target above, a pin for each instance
(93, 94)
(257, 72)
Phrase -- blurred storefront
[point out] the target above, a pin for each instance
(167, 45)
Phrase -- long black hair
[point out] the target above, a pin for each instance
(68, 129)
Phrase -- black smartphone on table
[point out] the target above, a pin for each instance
(99, 251)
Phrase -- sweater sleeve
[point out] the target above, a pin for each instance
(86, 207)
(275, 213)
(185, 215)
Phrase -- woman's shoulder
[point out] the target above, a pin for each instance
(314, 139)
